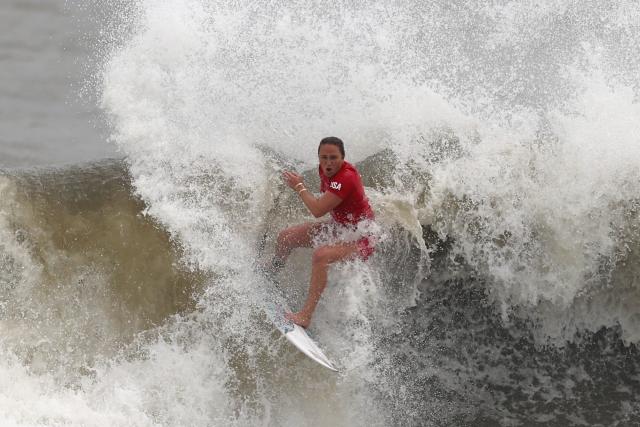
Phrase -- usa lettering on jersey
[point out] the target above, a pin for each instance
(336, 185)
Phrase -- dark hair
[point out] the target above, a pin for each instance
(332, 140)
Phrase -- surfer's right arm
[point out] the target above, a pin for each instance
(317, 206)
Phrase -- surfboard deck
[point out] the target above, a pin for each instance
(299, 337)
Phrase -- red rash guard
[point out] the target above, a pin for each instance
(347, 185)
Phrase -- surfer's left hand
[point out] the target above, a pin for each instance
(292, 179)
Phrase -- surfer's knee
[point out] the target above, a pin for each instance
(282, 237)
(285, 239)
(321, 256)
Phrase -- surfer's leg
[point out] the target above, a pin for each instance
(322, 257)
(298, 236)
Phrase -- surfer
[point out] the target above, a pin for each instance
(343, 196)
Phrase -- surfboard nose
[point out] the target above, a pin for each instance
(303, 342)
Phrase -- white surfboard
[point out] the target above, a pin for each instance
(298, 337)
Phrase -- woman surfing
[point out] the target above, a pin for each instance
(344, 198)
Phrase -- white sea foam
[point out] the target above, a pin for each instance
(531, 196)
(542, 216)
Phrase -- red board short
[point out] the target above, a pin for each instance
(366, 247)
(328, 233)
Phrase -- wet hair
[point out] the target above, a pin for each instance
(332, 140)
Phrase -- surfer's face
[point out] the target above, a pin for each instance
(330, 159)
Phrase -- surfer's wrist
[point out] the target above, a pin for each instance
(296, 186)
(303, 189)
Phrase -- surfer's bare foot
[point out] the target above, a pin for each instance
(300, 319)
